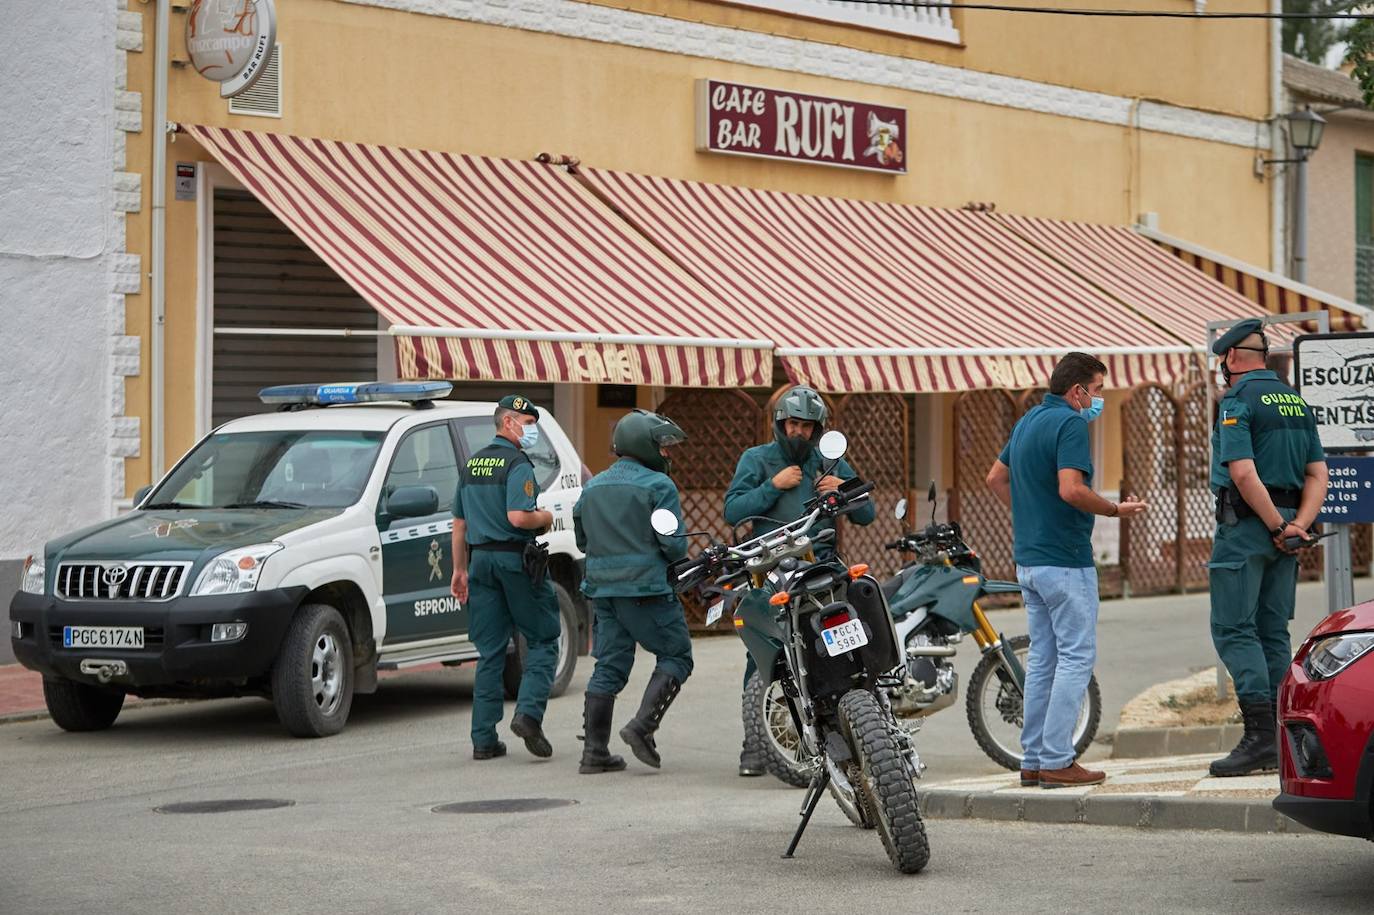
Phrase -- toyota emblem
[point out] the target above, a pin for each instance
(114, 576)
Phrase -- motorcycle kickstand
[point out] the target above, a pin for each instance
(813, 797)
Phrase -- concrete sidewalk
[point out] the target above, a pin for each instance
(1166, 793)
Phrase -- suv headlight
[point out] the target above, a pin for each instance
(234, 571)
(35, 569)
(1335, 653)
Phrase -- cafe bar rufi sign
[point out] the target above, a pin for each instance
(739, 120)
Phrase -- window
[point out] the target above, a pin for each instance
(478, 432)
(1364, 229)
(425, 458)
(288, 469)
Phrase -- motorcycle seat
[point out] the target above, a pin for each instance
(1001, 587)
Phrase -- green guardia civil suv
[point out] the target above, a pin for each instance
(290, 555)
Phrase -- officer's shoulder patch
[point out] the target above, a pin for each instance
(529, 488)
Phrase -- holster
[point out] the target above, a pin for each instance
(535, 559)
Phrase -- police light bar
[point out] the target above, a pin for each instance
(361, 392)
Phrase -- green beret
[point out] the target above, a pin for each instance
(520, 404)
(1236, 334)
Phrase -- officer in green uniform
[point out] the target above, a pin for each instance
(1269, 476)
(495, 519)
(773, 483)
(627, 581)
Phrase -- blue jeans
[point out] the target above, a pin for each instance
(1061, 611)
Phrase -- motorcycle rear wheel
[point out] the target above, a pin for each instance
(768, 725)
(995, 713)
(885, 780)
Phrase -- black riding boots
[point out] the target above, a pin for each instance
(596, 725)
(638, 733)
(1258, 749)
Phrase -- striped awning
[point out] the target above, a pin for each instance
(864, 297)
(1275, 294)
(496, 269)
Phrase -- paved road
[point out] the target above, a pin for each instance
(78, 827)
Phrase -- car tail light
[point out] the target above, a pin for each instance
(1308, 754)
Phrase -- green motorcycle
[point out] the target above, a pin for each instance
(823, 632)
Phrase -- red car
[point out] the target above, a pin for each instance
(1326, 717)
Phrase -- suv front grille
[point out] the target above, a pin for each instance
(121, 581)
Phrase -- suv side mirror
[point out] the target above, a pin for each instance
(142, 494)
(412, 502)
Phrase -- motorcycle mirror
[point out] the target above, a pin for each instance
(833, 445)
(931, 496)
(900, 511)
(664, 522)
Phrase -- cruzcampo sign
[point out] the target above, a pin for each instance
(231, 41)
(739, 120)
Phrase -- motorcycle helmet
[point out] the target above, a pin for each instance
(801, 403)
(641, 434)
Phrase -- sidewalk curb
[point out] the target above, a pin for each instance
(1122, 810)
(1145, 743)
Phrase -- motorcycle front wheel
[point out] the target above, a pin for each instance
(995, 713)
(885, 780)
(768, 725)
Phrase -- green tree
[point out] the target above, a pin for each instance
(1312, 39)
(1359, 53)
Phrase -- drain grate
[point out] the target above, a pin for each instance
(227, 805)
(505, 805)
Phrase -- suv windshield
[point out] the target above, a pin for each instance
(286, 469)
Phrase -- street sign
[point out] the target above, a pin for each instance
(1335, 375)
(1350, 493)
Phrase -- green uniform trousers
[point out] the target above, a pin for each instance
(1252, 586)
(655, 622)
(500, 595)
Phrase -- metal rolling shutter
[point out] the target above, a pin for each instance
(266, 277)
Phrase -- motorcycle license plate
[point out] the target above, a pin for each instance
(845, 637)
(102, 636)
(715, 612)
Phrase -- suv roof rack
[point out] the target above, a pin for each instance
(419, 394)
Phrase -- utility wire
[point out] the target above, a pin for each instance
(1120, 14)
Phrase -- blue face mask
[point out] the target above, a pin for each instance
(1094, 411)
(529, 436)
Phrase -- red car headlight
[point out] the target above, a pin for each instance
(1333, 654)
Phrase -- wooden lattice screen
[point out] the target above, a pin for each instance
(983, 421)
(720, 424)
(1152, 544)
(878, 427)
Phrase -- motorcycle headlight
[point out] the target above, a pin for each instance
(1334, 654)
(35, 570)
(234, 571)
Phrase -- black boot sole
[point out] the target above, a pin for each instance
(597, 768)
(535, 741)
(1263, 768)
(642, 751)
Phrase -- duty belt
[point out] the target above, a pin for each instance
(1231, 507)
(501, 546)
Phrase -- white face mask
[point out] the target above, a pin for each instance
(529, 436)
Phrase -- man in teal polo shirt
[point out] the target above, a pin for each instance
(1044, 476)
(495, 517)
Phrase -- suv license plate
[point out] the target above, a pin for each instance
(845, 637)
(102, 636)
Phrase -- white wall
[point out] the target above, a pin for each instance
(59, 238)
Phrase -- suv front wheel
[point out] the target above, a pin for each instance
(312, 681)
(81, 707)
(567, 650)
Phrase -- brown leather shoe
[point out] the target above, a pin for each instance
(1030, 778)
(1071, 776)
